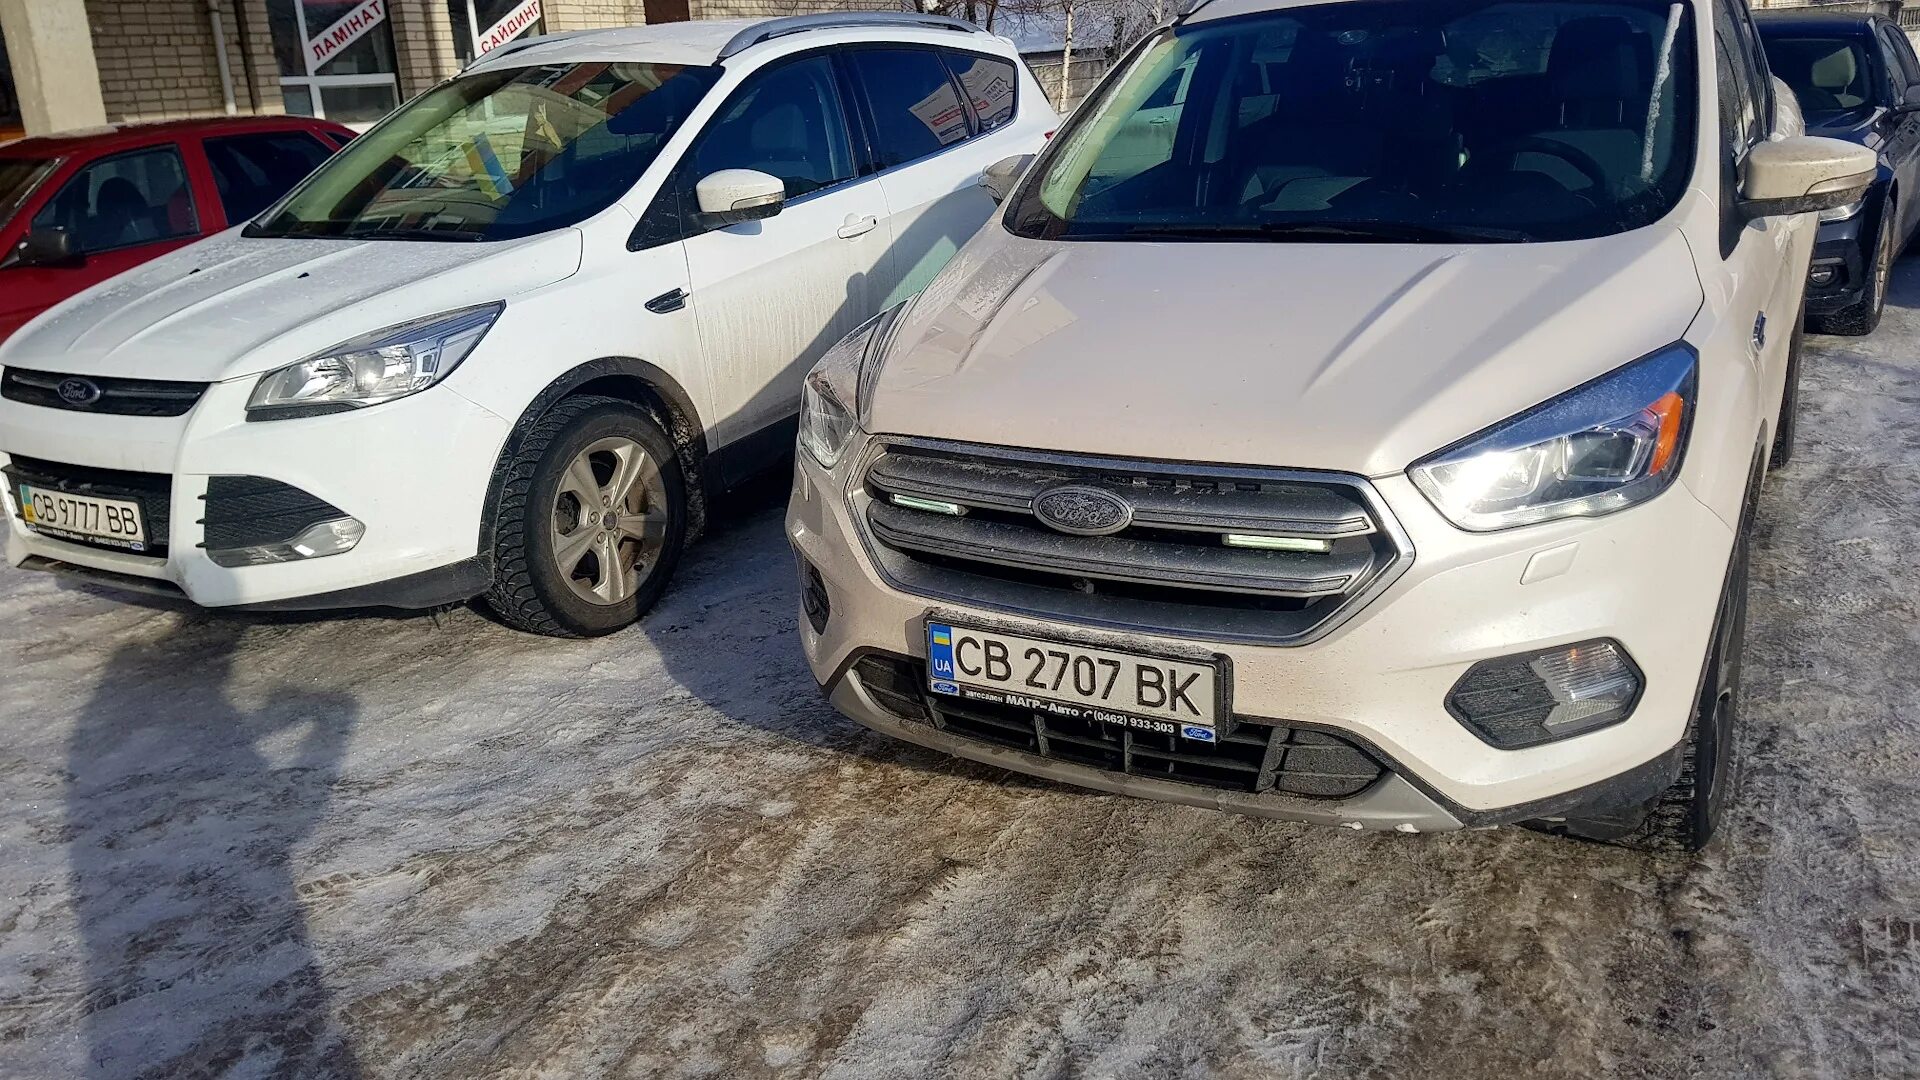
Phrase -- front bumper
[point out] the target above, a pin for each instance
(415, 472)
(1649, 578)
(1844, 249)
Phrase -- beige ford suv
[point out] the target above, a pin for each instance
(1356, 416)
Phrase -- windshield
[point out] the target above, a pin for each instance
(1830, 76)
(18, 177)
(497, 155)
(1446, 120)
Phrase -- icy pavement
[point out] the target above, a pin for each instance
(396, 847)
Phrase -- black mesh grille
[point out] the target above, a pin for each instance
(1257, 756)
(951, 521)
(247, 511)
(101, 394)
(153, 492)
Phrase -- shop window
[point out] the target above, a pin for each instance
(481, 26)
(336, 58)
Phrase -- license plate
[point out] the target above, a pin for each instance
(1150, 693)
(83, 517)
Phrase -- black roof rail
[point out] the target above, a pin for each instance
(839, 20)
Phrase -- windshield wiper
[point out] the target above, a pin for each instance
(415, 234)
(1403, 231)
(1334, 232)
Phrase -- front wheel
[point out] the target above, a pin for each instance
(591, 519)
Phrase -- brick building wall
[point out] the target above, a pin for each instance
(158, 62)
(769, 9)
(565, 15)
(423, 44)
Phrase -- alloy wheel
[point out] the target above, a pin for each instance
(609, 520)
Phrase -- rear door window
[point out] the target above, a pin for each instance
(915, 107)
(251, 171)
(135, 198)
(990, 83)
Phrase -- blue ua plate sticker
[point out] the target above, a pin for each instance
(940, 659)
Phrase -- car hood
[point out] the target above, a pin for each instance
(1353, 357)
(231, 306)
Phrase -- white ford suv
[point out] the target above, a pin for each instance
(1356, 416)
(505, 342)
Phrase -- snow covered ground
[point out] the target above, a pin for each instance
(406, 847)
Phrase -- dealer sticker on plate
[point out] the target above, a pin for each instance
(1171, 697)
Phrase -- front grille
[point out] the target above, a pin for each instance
(152, 491)
(1258, 756)
(115, 396)
(249, 511)
(1169, 570)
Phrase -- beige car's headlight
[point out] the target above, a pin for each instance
(830, 397)
(1610, 444)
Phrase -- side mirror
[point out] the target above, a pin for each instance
(50, 246)
(1804, 174)
(731, 196)
(999, 177)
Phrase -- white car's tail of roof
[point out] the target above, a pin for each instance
(701, 41)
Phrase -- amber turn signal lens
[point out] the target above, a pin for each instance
(1671, 409)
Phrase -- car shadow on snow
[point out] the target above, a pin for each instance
(727, 632)
(183, 809)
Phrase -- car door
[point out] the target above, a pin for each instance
(1759, 291)
(770, 296)
(119, 211)
(1903, 126)
(252, 170)
(927, 142)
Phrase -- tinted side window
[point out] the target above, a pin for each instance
(1901, 62)
(990, 84)
(251, 171)
(787, 122)
(916, 110)
(121, 201)
(1739, 116)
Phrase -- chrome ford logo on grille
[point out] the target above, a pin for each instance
(1082, 511)
(78, 391)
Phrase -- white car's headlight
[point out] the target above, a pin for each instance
(830, 398)
(1601, 447)
(386, 364)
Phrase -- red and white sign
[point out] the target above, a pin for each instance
(346, 30)
(510, 26)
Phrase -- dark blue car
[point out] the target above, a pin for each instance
(1857, 79)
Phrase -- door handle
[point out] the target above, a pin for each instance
(857, 226)
(668, 302)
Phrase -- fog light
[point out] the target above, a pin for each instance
(1538, 697)
(1822, 276)
(315, 542)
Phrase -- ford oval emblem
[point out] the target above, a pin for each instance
(1082, 511)
(78, 392)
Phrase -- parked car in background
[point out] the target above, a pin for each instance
(1382, 454)
(1857, 79)
(506, 341)
(78, 208)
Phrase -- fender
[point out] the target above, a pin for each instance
(629, 379)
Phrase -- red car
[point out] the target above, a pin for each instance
(77, 209)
